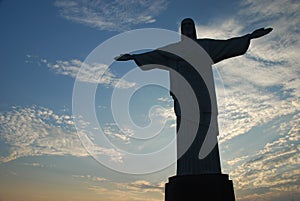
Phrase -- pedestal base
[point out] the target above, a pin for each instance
(210, 187)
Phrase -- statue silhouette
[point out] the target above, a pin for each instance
(190, 163)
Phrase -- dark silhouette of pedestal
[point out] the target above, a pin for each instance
(204, 187)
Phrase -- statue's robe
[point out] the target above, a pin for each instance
(218, 50)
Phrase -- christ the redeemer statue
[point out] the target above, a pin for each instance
(218, 50)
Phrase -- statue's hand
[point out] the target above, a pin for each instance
(124, 57)
(260, 32)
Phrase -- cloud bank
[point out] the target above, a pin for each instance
(36, 131)
(262, 91)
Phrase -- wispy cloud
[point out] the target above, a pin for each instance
(113, 15)
(275, 167)
(114, 133)
(83, 72)
(126, 136)
(36, 131)
(97, 73)
(138, 190)
(146, 186)
(135, 189)
(90, 177)
(35, 164)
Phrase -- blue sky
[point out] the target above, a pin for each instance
(44, 44)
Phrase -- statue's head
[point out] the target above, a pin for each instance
(188, 28)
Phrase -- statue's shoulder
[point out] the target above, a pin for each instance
(207, 43)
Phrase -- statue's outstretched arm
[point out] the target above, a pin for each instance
(148, 60)
(124, 57)
(260, 32)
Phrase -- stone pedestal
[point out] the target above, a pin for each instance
(204, 187)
